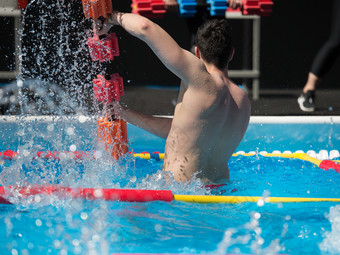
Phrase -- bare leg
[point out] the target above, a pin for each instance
(312, 82)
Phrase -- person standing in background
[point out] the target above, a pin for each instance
(322, 63)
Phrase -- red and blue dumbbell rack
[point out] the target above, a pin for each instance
(188, 8)
(108, 86)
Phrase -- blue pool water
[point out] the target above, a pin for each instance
(49, 225)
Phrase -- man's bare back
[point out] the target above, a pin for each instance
(212, 113)
(207, 127)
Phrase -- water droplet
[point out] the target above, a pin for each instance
(63, 252)
(98, 193)
(12, 99)
(83, 216)
(133, 179)
(70, 131)
(75, 242)
(82, 118)
(50, 127)
(260, 203)
(37, 199)
(257, 215)
(56, 243)
(73, 147)
(26, 153)
(96, 238)
(20, 83)
(38, 222)
(158, 228)
(98, 154)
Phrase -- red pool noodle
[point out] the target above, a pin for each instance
(127, 195)
(122, 195)
(55, 155)
(2, 199)
(10, 155)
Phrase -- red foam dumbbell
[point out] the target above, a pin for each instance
(250, 7)
(118, 83)
(158, 7)
(141, 7)
(103, 49)
(96, 8)
(108, 90)
(149, 8)
(113, 135)
(266, 7)
(257, 7)
(22, 4)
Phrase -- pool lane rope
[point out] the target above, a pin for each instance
(134, 195)
(325, 164)
(137, 195)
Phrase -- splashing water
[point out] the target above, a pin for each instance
(250, 233)
(54, 48)
(330, 244)
(37, 97)
(55, 69)
(56, 79)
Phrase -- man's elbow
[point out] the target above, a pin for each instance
(144, 27)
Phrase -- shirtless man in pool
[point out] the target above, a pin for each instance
(212, 113)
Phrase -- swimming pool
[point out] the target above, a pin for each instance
(45, 224)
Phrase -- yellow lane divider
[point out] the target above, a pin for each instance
(243, 199)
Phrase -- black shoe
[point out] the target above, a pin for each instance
(306, 101)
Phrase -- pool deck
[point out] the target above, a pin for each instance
(152, 100)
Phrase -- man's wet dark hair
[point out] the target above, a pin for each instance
(213, 39)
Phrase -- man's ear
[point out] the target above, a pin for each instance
(197, 52)
(231, 54)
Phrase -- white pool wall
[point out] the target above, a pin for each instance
(265, 133)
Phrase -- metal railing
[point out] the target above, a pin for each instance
(254, 72)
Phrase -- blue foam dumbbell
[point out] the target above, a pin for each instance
(217, 7)
(187, 8)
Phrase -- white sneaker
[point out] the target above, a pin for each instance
(306, 101)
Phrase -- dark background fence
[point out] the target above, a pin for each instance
(290, 37)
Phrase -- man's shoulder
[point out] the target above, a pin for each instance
(207, 83)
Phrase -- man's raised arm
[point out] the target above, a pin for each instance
(179, 61)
